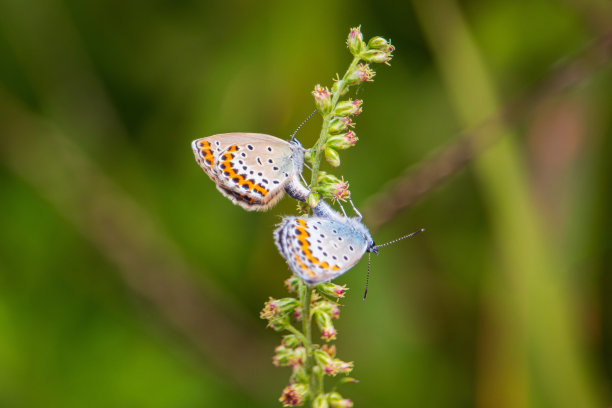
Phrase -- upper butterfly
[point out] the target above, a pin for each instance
(253, 170)
(322, 247)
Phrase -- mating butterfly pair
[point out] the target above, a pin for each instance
(254, 170)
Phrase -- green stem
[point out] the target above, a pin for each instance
(297, 334)
(306, 296)
(318, 146)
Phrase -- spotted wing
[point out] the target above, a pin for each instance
(207, 150)
(258, 167)
(319, 249)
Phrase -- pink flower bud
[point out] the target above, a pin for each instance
(322, 315)
(340, 124)
(294, 395)
(331, 289)
(336, 401)
(362, 73)
(293, 283)
(276, 308)
(343, 367)
(322, 98)
(378, 56)
(336, 189)
(343, 141)
(350, 107)
(355, 41)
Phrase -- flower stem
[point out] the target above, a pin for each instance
(318, 147)
(306, 296)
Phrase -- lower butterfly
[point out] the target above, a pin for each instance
(253, 170)
(322, 247)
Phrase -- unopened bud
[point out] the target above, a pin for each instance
(290, 341)
(308, 155)
(343, 141)
(332, 290)
(333, 187)
(322, 98)
(324, 321)
(378, 43)
(377, 56)
(339, 124)
(276, 308)
(350, 107)
(362, 73)
(337, 401)
(355, 41)
(293, 283)
(332, 156)
(320, 401)
(313, 199)
(294, 395)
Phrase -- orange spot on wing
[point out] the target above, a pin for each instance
(206, 153)
(305, 246)
(226, 161)
(303, 266)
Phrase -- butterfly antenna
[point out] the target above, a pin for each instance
(365, 293)
(400, 238)
(302, 124)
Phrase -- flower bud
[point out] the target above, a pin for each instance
(329, 308)
(350, 107)
(323, 360)
(336, 401)
(355, 41)
(290, 341)
(377, 56)
(339, 124)
(378, 43)
(313, 199)
(332, 156)
(276, 308)
(331, 350)
(282, 356)
(293, 283)
(343, 367)
(332, 187)
(332, 290)
(343, 141)
(324, 322)
(322, 98)
(320, 401)
(294, 395)
(362, 73)
(297, 314)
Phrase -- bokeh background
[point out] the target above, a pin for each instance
(127, 280)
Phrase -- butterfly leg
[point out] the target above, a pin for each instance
(341, 207)
(355, 209)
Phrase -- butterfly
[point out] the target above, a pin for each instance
(253, 170)
(322, 247)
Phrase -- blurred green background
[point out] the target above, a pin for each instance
(127, 280)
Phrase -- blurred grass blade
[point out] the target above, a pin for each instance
(538, 358)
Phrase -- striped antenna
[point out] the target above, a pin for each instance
(375, 249)
(302, 124)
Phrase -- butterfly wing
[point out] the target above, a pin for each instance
(251, 169)
(319, 249)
